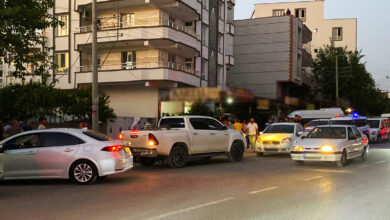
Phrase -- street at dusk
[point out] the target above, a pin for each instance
(272, 187)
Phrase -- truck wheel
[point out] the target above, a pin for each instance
(236, 152)
(178, 157)
(147, 161)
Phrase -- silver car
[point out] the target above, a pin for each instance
(80, 155)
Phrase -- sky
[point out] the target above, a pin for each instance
(373, 19)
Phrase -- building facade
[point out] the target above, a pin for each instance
(343, 32)
(145, 48)
(271, 59)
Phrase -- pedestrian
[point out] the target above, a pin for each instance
(149, 124)
(136, 124)
(14, 129)
(238, 126)
(288, 12)
(28, 126)
(253, 132)
(42, 124)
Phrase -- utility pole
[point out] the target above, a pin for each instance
(95, 92)
(337, 82)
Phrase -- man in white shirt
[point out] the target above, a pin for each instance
(253, 131)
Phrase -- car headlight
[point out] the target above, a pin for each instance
(286, 140)
(299, 148)
(327, 148)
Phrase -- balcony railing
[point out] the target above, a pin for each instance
(111, 23)
(138, 65)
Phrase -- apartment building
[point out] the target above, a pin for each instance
(145, 48)
(343, 32)
(271, 58)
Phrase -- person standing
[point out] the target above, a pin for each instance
(42, 124)
(288, 13)
(238, 126)
(253, 132)
(14, 129)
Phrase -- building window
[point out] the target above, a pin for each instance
(189, 65)
(278, 12)
(337, 34)
(221, 11)
(301, 13)
(62, 61)
(129, 60)
(63, 30)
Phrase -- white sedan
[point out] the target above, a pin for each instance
(336, 143)
(80, 155)
(278, 138)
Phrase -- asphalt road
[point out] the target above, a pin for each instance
(272, 187)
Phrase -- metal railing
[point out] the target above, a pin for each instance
(112, 23)
(138, 65)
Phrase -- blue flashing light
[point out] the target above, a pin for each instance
(355, 115)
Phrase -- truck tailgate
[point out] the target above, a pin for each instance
(138, 139)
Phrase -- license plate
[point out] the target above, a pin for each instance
(127, 149)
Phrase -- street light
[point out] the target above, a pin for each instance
(348, 110)
(229, 100)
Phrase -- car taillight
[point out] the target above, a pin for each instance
(120, 136)
(152, 140)
(134, 133)
(113, 148)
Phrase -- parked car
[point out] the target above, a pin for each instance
(361, 123)
(379, 130)
(278, 138)
(324, 113)
(314, 123)
(335, 143)
(183, 137)
(80, 155)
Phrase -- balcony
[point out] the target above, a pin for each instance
(140, 30)
(229, 60)
(230, 29)
(127, 72)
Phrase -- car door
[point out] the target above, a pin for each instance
(359, 145)
(219, 136)
(19, 156)
(200, 135)
(56, 152)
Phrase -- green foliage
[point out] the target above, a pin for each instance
(200, 108)
(355, 83)
(34, 100)
(21, 42)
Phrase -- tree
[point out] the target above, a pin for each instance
(21, 41)
(355, 83)
(200, 108)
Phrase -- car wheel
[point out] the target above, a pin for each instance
(178, 157)
(83, 172)
(236, 152)
(147, 161)
(260, 154)
(299, 162)
(343, 160)
(364, 154)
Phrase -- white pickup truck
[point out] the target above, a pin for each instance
(178, 139)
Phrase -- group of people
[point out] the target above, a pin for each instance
(137, 125)
(15, 127)
(251, 131)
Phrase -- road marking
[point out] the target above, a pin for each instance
(312, 178)
(382, 161)
(191, 208)
(366, 165)
(332, 171)
(264, 190)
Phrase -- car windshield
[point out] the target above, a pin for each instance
(374, 123)
(317, 123)
(97, 136)
(288, 129)
(328, 133)
(341, 122)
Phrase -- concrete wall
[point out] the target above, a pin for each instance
(321, 28)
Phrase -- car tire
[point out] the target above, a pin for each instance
(178, 157)
(83, 172)
(343, 160)
(259, 154)
(299, 162)
(146, 162)
(236, 152)
(364, 154)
